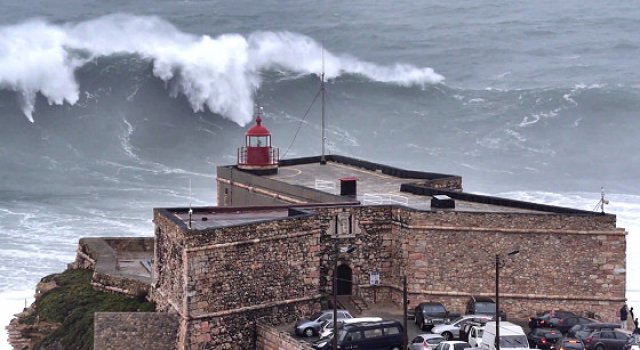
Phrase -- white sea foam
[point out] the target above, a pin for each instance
(12, 303)
(220, 73)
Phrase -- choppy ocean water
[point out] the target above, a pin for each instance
(110, 109)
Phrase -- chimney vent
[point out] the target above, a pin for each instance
(443, 202)
(348, 186)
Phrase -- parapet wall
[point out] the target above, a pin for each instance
(238, 329)
(101, 255)
(135, 330)
(270, 338)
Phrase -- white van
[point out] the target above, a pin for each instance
(327, 327)
(512, 337)
(475, 336)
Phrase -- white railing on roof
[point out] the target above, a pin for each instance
(327, 186)
(384, 198)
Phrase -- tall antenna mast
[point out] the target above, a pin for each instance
(322, 157)
(190, 200)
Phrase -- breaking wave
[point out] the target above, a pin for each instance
(220, 73)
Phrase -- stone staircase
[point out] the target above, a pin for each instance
(355, 304)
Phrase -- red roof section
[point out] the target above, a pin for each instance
(258, 129)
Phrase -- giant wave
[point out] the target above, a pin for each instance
(219, 72)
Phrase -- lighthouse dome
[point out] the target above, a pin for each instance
(258, 129)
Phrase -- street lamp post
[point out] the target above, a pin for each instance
(405, 304)
(335, 293)
(499, 264)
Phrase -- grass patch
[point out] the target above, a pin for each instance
(73, 304)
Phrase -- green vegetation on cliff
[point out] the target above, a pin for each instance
(72, 304)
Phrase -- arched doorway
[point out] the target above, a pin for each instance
(344, 280)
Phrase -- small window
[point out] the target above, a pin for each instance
(391, 330)
(435, 341)
(621, 336)
(417, 340)
(461, 346)
(258, 141)
(372, 333)
(354, 336)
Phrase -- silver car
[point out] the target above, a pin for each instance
(310, 327)
(425, 342)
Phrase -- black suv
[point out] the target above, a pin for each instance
(544, 319)
(606, 340)
(380, 335)
(582, 331)
(483, 306)
(543, 338)
(564, 324)
(430, 314)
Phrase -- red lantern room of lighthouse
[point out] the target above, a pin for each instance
(257, 156)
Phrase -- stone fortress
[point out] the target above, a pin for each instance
(223, 277)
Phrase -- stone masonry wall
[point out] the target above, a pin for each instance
(565, 261)
(126, 285)
(167, 286)
(371, 237)
(131, 244)
(252, 272)
(221, 280)
(237, 330)
(511, 220)
(135, 330)
(269, 338)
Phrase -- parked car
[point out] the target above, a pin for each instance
(452, 329)
(633, 343)
(543, 338)
(483, 306)
(327, 326)
(381, 335)
(564, 323)
(544, 318)
(323, 343)
(425, 342)
(475, 336)
(430, 314)
(466, 330)
(453, 345)
(582, 331)
(310, 327)
(568, 343)
(512, 337)
(606, 340)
